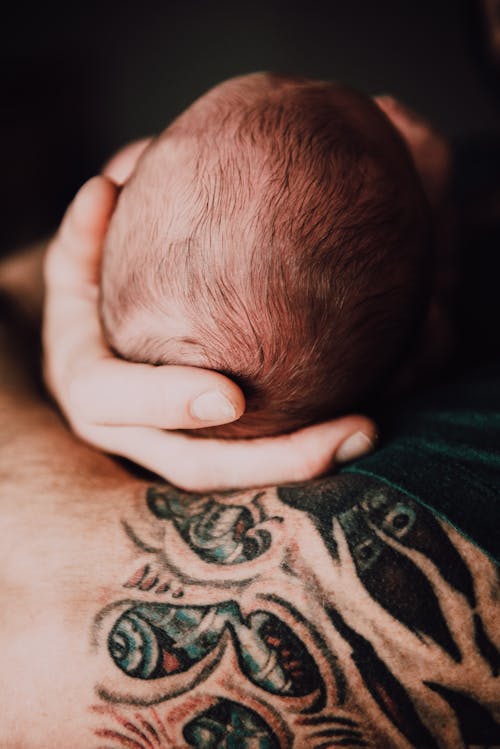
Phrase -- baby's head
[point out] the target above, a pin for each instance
(276, 232)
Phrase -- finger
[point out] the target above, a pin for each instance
(71, 321)
(115, 392)
(122, 164)
(206, 465)
(73, 258)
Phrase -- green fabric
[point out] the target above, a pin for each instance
(443, 449)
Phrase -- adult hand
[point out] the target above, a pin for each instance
(124, 408)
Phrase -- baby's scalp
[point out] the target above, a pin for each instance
(276, 232)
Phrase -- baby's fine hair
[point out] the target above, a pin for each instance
(303, 257)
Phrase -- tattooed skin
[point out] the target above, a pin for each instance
(338, 613)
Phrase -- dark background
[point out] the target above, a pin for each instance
(82, 80)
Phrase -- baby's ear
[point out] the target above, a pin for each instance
(122, 164)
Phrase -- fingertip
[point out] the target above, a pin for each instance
(330, 444)
(221, 405)
(93, 202)
(121, 165)
(220, 401)
(74, 253)
(361, 439)
(355, 446)
(236, 397)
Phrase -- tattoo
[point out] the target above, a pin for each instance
(221, 534)
(337, 613)
(153, 640)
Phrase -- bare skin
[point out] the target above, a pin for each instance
(135, 616)
(130, 410)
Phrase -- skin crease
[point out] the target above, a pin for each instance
(65, 557)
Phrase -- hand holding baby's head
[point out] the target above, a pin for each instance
(276, 232)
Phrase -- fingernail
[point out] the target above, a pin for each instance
(213, 407)
(355, 446)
